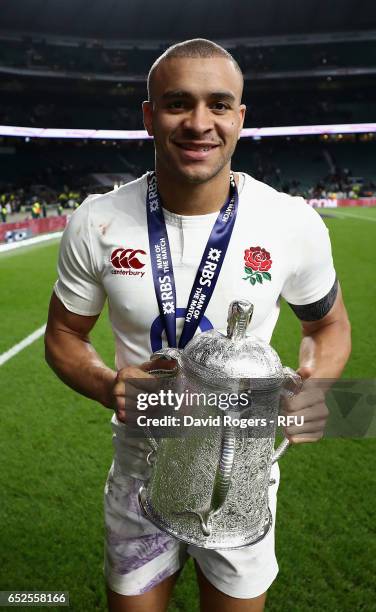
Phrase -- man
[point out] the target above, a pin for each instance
(4, 213)
(271, 245)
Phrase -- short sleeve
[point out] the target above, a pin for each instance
(312, 273)
(78, 286)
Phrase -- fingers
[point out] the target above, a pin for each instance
(308, 433)
(313, 412)
(131, 381)
(159, 364)
(310, 412)
(119, 407)
(308, 397)
(133, 372)
(305, 372)
(304, 438)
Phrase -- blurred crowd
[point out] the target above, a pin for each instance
(339, 184)
(57, 114)
(94, 56)
(85, 56)
(127, 115)
(37, 201)
(116, 103)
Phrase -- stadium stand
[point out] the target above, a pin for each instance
(90, 83)
(82, 56)
(305, 166)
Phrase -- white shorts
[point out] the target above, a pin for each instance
(138, 555)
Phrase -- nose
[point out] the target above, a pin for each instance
(199, 120)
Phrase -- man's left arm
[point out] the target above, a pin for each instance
(324, 351)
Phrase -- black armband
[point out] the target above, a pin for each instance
(317, 310)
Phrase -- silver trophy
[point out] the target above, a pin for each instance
(211, 489)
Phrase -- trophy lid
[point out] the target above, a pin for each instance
(218, 357)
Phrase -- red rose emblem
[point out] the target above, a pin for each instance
(258, 259)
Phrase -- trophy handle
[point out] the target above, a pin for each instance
(291, 386)
(167, 353)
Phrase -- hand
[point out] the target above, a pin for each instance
(131, 381)
(309, 404)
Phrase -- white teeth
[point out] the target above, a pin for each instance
(193, 148)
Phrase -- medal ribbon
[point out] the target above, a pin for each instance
(208, 270)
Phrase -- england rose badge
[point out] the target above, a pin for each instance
(257, 265)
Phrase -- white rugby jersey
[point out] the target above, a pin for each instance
(279, 247)
(105, 254)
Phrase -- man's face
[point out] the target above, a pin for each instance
(195, 116)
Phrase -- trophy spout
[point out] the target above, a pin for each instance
(221, 485)
(291, 386)
(222, 478)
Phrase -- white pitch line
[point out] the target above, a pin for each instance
(343, 215)
(21, 345)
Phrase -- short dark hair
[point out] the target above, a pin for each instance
(195, 48)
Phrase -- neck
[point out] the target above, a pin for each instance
(194, 199)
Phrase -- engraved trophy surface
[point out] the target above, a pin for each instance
(211, 488)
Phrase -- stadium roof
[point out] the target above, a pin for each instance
(176, 20)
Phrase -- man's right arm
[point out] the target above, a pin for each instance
(73, 358)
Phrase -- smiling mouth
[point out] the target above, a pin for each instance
(199, 147)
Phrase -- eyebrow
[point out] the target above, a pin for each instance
(179, 93)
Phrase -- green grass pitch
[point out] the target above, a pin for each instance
(56, 449)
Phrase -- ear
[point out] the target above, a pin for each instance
(147, 111)
(242, 109)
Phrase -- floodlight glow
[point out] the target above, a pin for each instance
(288, 130)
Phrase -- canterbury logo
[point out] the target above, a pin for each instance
(127, 259)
